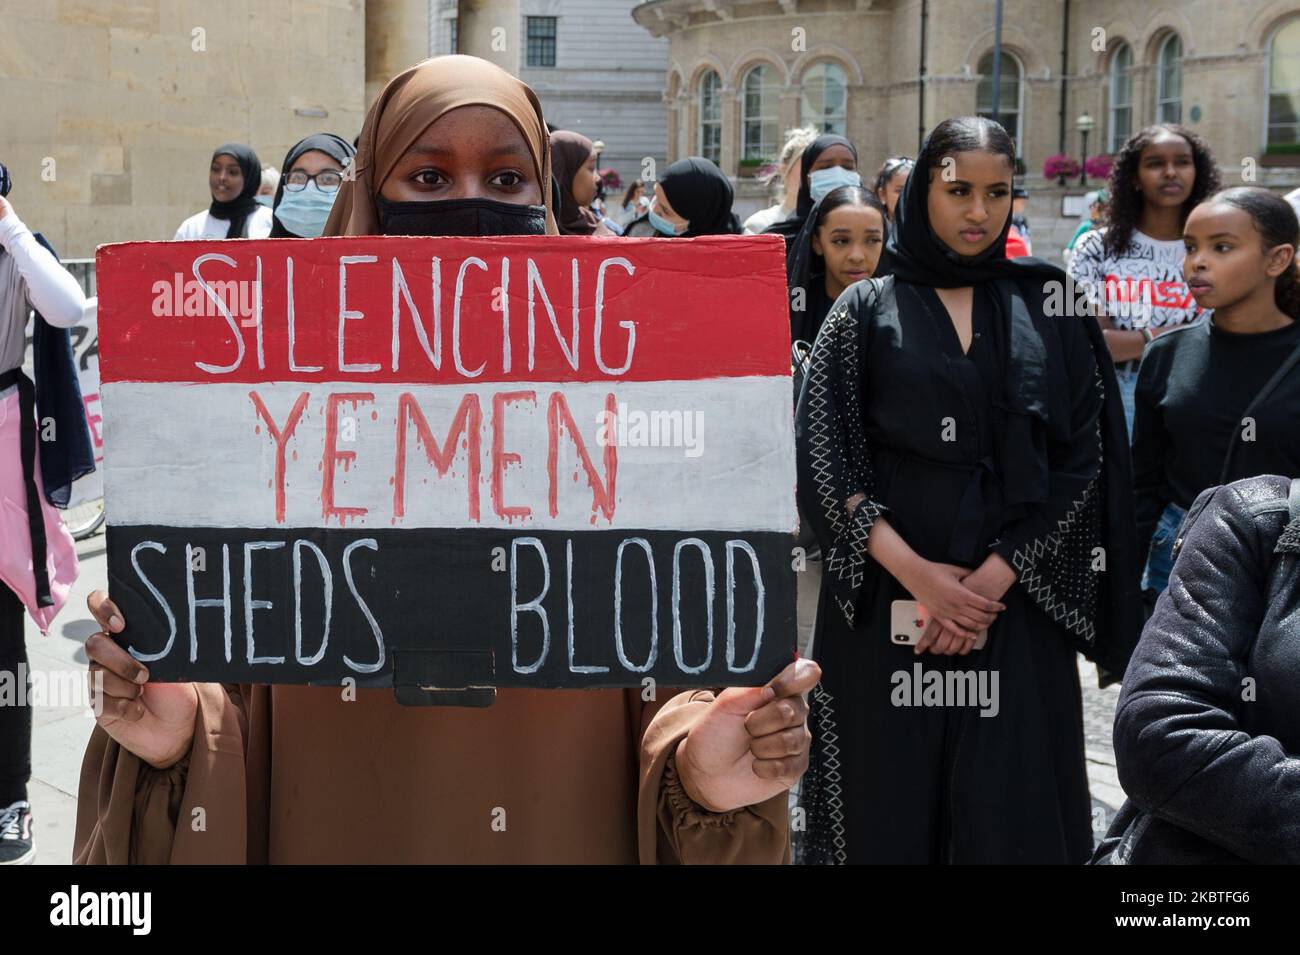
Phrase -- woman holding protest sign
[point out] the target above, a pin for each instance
(313, 171)
(454, 146)
(963, 461)
(234, 176)
(38, 561)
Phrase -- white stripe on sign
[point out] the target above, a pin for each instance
(701, 454)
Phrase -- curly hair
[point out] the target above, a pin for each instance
(1125, 205)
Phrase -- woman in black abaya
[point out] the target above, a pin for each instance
(960, 447)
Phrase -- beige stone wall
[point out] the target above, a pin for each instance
(1224, 68)
(115, 94)
(733, 47)
(1225, 55)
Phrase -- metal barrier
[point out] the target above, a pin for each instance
(83, 270)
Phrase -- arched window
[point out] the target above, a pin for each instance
(1284, 86)
(1120, 127)
(1169, 80)
(824, 102)
(759, 120)
(711, 116)
(1009, 100)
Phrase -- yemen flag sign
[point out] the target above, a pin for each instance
(449, 463)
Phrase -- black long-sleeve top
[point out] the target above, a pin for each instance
(1194, 386)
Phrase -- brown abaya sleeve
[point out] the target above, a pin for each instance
(128, 812)
(673, 830)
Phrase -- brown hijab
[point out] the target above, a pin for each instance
(569, 150)
(410, 103)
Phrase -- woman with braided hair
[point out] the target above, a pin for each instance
(1203, 415)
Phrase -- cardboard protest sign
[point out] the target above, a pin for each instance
(535, 462)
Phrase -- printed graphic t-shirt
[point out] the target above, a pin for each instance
(1142, 288)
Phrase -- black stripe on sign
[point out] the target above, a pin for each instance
(424, 597)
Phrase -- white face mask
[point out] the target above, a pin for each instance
(823, 181)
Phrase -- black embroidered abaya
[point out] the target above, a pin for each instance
(1016, 446)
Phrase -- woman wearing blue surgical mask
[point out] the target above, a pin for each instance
(313, 172)
(693, 198)
(830, 162)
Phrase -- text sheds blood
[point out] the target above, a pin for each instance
(542, 606)
(380, 423)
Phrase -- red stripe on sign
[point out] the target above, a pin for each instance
(441, 311)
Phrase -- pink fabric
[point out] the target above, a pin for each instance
(15, 535)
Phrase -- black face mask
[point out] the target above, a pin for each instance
(460, 217)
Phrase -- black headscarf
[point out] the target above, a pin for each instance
(700, 193)
(794, 223)
(569, 152)
(238, 209)
(806, 269)
(1018, 290)
(336, 147)
(918, 256)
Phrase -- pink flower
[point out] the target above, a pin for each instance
(1060, 165)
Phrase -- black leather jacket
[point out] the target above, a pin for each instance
(1207, 731)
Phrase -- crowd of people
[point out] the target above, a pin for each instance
(1017, 476)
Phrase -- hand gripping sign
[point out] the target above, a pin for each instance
(441, 464)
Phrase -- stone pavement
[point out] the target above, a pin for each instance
(60, 732)
(1098, 717)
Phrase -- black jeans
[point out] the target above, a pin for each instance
(15, 720)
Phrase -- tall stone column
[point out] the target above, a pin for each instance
(397, 36)
(492, 29)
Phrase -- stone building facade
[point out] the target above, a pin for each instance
(593, 69)
(110, 109)
(742, 71)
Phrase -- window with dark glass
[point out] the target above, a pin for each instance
(711, 117)
(541, 41)
(1010, 95)
(1284, 87)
